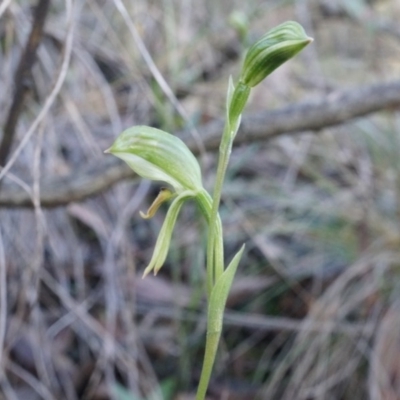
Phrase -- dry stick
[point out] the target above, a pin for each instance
(32, 290)
(3, 6)
(52, 95)
(314, 115)
(3, 302)
(22, 78)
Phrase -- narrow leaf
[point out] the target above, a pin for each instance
(216, 306)
(219, 294)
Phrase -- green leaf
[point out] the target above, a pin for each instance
(216, 306)
(219, 294)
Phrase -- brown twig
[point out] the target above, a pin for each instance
(22, 76)
(337, 108)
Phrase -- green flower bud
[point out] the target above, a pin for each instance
(159, 156)
(272, 50)
(239, 21)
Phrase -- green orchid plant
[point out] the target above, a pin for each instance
(157, 155)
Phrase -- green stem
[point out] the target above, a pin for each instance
(215, 259)
(204, 201)
(209, 357)
(215, 256)
(224, 152)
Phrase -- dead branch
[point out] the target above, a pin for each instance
(334, 109)
(22, 77)
(315, 115)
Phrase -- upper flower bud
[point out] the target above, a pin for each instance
(159, 156)
(272, 50)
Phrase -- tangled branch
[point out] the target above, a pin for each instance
(337, 108)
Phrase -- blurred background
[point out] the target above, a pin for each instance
(312, 189)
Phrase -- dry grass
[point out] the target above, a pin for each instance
(315, 310)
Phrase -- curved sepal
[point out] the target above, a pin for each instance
(159, 156)
(164, 237)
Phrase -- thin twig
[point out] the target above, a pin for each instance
(32, 288)
(3, 302)
(79, 310)
(31, 380)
